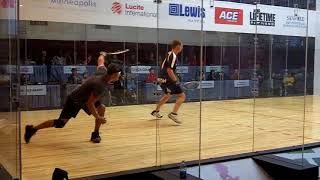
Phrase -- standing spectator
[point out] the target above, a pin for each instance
(59, 59)
(115, 60)
(74, 78)
(88, 60)
(260, 75)
(43, 59)
(193, 61)
(68, 58)
(213, 76)
(152, 59)
(235, 75)
(151, 77)
(223, 76)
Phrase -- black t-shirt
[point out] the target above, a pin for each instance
(95, 85)
(169, 62)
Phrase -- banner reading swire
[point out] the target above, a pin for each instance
(174, 14)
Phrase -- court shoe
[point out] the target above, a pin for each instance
(29, 132)
(174, 117)
(95, 137)
(156, 114)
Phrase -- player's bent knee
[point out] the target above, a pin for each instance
(102, 108)
(59, 123)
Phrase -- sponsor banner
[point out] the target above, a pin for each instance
(23, 69)
(26, 69)
(140, 13)
(80, 69)
(33, 90)
(216, 68)
(175, 14)
(182, 69)
(260, 17)
(181, 15)
(140, 69)
(241, 83)
(8, 9)
(206, 85)
(228, 16)
(295, 20)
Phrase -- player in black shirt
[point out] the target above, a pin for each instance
(85, 97)
(168, 82)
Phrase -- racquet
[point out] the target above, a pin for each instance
(191, 85)
(114, 53)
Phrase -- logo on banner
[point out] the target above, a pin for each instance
(241, 83)
(228, 16)
(295, 21)
(140, 69)
(33, 90)
(116, 8)
(131, 9)
(195, 12)
(7, 3)
(262, 19)
(75, 3)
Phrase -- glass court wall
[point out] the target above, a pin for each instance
(10, 154)
(251, 64)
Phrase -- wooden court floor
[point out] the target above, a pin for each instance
(129, 139)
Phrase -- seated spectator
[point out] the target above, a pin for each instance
(59, 59)
(85, 76)
(24, 79)
(74, 78)
(151, 77)
(235, 75)
(289, 80)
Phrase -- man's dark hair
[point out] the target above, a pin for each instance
(175, 43)
(113, 68)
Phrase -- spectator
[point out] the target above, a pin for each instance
(260, 74)
(115, 60)
(74, 78)
(24, 79)
(223, 76)
(43, 60)
(151, 77)
(59, 59)
(4, 77)
(235, 75)
(213, 76)
(88, 60)
(193, 61)
(289, 83)
(132, 59)
(68, 58)
(152, 59)
(85, 76)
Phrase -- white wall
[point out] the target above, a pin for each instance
(317, 57)
(68, 31)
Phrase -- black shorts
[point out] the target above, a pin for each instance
(71, 109)
(171, 88)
